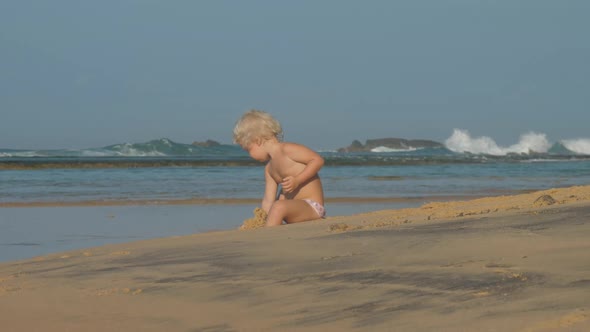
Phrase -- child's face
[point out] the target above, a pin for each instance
(256, 151)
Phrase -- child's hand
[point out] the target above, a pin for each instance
(289, 184)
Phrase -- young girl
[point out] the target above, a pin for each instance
(293, 166)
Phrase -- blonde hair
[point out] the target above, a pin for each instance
(255, 125)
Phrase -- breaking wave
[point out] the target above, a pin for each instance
(530, 143)
(381, 149)
(580, 146)
(460, 147)
(156, 148)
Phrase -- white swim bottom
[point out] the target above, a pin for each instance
(317, 207)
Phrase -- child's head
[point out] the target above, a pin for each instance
(256, 125)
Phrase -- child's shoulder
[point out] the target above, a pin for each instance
(286, 144)
(291, 145)
(287, 147)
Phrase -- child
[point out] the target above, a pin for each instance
(293, 166)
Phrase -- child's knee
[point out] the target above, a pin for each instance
(276, 214)
(278, 208)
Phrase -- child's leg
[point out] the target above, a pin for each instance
(291, 211)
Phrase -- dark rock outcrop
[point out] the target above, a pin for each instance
(392, 143)
(207, 144)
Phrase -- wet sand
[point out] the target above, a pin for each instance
(509, 263)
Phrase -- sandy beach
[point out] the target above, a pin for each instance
(508, 263)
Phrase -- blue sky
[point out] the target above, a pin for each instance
(76, 74)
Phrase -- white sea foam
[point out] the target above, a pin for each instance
(23, 154)
(96, 153)
(461, 141)
(128, 150)
(580, 145)
(131, 152)
(386, 149)
(542, 160)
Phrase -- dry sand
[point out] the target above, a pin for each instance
(513, 263)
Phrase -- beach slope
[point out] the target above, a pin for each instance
(512, 263)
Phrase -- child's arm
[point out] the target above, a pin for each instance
(304, 155)
(270, 190)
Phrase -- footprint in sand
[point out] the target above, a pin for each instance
(6, 287)
(120, 253)
(3, 279)
(85, 254)
(568, 320)
(118, 291)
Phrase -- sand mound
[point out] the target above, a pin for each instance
(544, 200)
(259, 220)
(505, 203)
(531, 202)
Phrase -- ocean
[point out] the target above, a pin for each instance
(55, 200)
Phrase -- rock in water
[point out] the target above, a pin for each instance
(259, 220)
(207, 144)
(393, 143)
(544, 201)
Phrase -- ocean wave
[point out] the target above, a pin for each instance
(23, 154)
(137, 150)
(156, 148)
(382, 149)
(580, 146)
(95, 153)
(462, 142)
(460, 146)
(551, 160)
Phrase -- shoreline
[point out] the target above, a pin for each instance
(40, 230)
(510, 263)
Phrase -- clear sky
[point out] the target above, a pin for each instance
(77, 74)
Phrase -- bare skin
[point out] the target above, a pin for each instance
(296, 168)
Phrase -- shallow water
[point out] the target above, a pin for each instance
(34, 231)
(246, 182)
